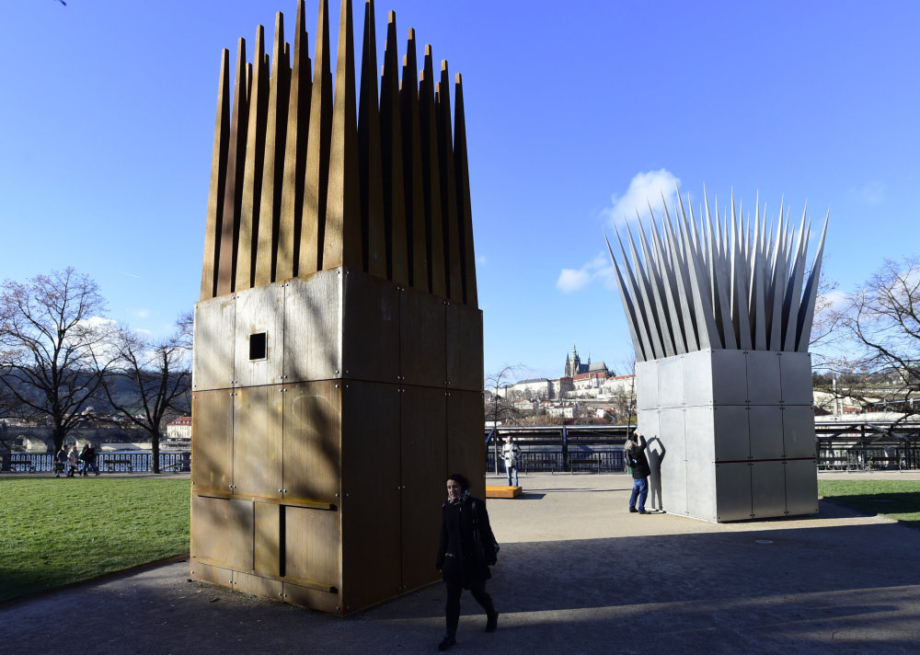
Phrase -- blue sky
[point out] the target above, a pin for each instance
(574, 112)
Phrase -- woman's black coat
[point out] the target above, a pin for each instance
(457, 557)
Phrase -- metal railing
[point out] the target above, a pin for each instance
(114, 462)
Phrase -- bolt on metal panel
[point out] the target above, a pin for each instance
(768, 485)
(733, 491)
(212, 365)
(795, 374)
(729, 377)
(259, 311)
(371, 327)
(801, 487)
(766, 425)
(670, 382)
(799, 431)
(763, 381)
(313, 327)
(732, 433)
(647, 385)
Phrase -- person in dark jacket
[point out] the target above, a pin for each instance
(466, 549)
(634, 449)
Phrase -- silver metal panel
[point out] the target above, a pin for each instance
(801, 487)
(650, 425)
(766, 425)
(647, 385)
(768, 488)
(370, 339)
(258, 311)
(423, 335)
(733, 492)
(729, 377)
(731, 434)
(673, 464)
(671, 433)
(763, 378)
(212, 365)
(464, 347)
(799, 431)
(795, 375)
(699, 428)
(697, 376)
(670, 382)
(701, 489)
(313, 327)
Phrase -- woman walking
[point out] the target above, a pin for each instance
(466, 550)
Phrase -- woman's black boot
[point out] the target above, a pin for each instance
(448, 641)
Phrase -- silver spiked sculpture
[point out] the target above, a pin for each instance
(720, 315)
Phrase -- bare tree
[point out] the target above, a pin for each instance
(51, 348)
(884, 320)
(149, 380)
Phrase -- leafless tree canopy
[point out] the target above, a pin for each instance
(51, 353)
(153, 378)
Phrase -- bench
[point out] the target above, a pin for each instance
(112, 464)
(593, 461)
(22, 465)
(886, 460)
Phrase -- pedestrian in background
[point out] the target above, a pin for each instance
(465, 552)
(73, 461)
(634, 450)
(511, 453)
(60, 463)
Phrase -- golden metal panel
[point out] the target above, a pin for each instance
(216, 191)
(423, 334)
(267, 539)
(259, 311)
(212, 447)
(257, 442)
(312, 441)
(212, 574)
(221, 532)
(254, 584)
(464, 347)
(423, 451)
(371, 307)
(212, 364)
(370, 504)
(465, 443)
(318, 600)
(312, 327)
(312, 546)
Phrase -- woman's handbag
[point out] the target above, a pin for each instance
(479, 545)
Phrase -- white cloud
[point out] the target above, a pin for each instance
(480, 260)
(142, 313)
(573, 280)
(644, 189)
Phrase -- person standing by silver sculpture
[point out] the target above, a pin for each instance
(634, 451)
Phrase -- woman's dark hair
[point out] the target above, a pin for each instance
(461, 480)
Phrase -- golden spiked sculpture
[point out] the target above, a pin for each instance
(338, 340)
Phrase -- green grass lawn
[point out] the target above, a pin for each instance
(57, 531)
(896, 499)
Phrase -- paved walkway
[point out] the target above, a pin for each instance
(577, 574)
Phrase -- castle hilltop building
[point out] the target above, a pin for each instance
(579, 381)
